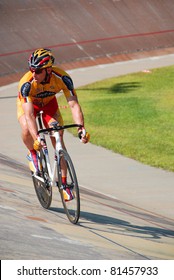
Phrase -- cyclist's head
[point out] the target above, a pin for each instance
(40, 59)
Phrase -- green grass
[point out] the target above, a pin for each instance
(132, 115)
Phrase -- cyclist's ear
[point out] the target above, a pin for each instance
(49, 69)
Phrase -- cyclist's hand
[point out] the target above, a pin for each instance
(83, 135)
(37, 144)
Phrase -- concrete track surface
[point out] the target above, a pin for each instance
(126, 207)
(83, 32)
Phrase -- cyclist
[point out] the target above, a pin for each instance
(37, 90)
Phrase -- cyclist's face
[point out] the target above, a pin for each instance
(39, 75)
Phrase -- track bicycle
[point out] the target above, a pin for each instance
(50, 176)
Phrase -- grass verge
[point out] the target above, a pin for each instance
(132, 115)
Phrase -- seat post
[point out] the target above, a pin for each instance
(39, 117)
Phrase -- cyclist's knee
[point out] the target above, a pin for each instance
(24, 126)
(26, 133)
(61, 132)
(22, 122)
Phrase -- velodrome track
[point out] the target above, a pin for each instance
(126, 207)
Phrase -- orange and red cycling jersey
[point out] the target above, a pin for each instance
(41, 94)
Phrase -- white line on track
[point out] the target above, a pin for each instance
(7, 208)
(42, 236)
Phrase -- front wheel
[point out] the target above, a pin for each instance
(42, 183)
(71, 207)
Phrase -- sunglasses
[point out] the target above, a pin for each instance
(37, 71)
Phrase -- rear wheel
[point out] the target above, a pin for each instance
(42, 183)
(72, 207)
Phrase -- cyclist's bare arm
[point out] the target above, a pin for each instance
(76, 110)
(78, 116)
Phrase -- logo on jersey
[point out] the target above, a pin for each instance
(45, 94)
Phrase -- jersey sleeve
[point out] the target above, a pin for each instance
(65, 82)
(68, 86)
(24, 92)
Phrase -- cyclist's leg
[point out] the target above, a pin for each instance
(59, 119)
(27, 138)
(51, 113)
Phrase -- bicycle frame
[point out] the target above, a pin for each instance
(52, 171)
(52, 175)
(52, 132)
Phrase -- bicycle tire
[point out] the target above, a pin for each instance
(72, 207)
(43, 189)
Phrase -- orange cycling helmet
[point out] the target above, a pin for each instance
(41, 58)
